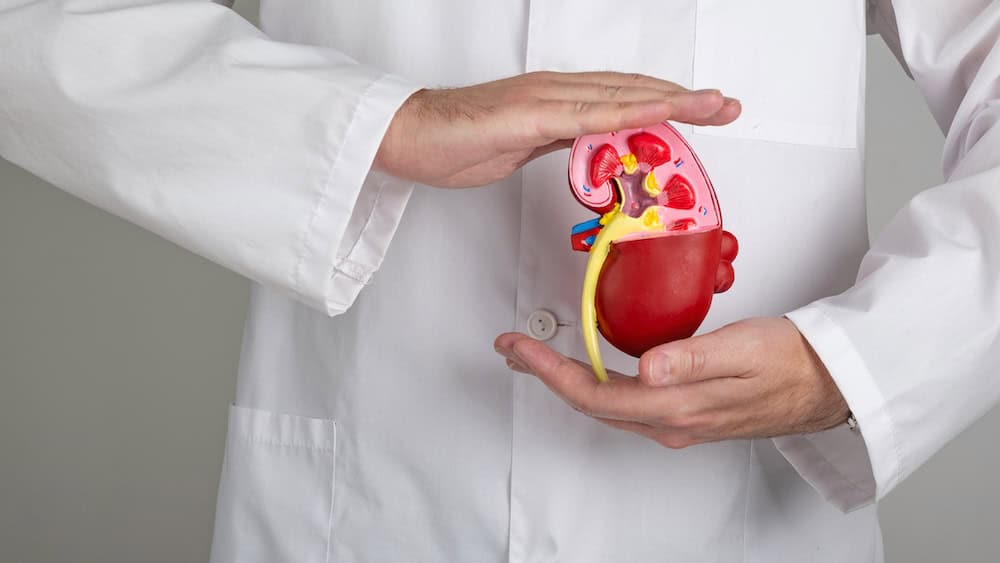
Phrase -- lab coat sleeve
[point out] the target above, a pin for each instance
(915, 345)
(183, 118)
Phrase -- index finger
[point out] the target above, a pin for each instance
(569, 119)
(622, 398)
(623, 79)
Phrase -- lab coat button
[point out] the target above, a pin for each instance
(542, 325)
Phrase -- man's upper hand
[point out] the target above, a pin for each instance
(480, 134)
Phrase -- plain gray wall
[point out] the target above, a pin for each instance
(118, 353)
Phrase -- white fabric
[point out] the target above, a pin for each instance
(390, 431)
(914, 344)
(182, 117)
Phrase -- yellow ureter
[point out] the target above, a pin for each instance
(616, 225)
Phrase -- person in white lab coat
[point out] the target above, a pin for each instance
(372, 420)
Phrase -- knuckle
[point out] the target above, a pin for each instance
(612, 91)
(680, 419)
(581, 107)
(590, 403)
(584, 408)
(564, 366)
(676, 420)
(689, 418)
(620, 115)
(696, 363)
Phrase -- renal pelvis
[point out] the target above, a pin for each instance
(658, 252)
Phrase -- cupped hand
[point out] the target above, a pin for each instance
(752, 379)
(480, 134)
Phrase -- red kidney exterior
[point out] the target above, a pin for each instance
(655, 290)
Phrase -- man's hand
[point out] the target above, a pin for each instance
(477, 135)
(752, 379)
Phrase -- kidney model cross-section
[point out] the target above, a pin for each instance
(658, 252)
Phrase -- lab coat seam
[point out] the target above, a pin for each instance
(897, 452)
(354, 271)
(814, 145)
(694, 50)
(511, 496)
(333, 495)
(296, 281)
(252, 440)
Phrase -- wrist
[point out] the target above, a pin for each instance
(389, 157)
(831, 409)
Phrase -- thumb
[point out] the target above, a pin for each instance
(709, 356)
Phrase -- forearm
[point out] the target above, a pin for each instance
(182, 117)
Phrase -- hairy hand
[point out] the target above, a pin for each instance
(751, 379)
(477, 135)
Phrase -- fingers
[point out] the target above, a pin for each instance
(719, 354)
(667, 438)
(505, 342)
(674, 415)
(731, 109)
(743, 380)
(599, 92)
(622, 398)
(551, 147)
(565, 119)
(629, 426)
(613, 79)
(703, 107)
(476, 135)
(570, 119)
(622, 87)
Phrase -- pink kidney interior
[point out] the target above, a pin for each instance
(599, 179)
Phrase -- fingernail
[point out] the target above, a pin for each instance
(709, 91)
(730, 101)
(659, 369)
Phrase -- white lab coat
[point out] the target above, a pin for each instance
(373, 421)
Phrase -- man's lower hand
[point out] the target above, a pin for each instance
(751, 379)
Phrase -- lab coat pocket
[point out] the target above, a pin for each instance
(796, 66)
(277, 487)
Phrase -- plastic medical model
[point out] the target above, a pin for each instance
(657, 252)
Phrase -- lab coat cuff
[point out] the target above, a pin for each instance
(850, 468)
(377, 215)
(336, 265)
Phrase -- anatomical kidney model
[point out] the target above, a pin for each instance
(657, 252)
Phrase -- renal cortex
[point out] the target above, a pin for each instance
(643, 183)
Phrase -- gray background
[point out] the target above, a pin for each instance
(118, 353)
